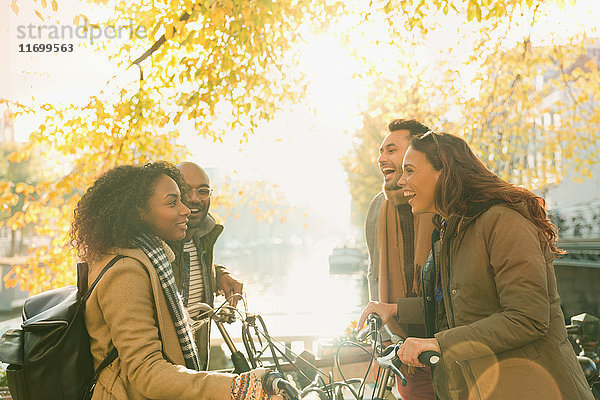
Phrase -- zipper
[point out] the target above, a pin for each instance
(473, 380)
(448, 293)
(457, 235)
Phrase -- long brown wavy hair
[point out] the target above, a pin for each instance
(107, 215)
(465, 182)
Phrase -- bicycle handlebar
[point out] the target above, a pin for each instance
(429, 358)
(273, 383)
(389, 359)
(373, 325)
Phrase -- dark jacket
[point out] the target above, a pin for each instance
(504, 333)
(204, 239)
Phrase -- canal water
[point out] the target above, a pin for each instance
(291, 287)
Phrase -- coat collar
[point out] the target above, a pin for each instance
(139, 255)
(211, 234)
(205, 227)
(135, 253)
(209, 230)
(457, 223)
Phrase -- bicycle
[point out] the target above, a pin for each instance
(585, 330)
(308, 376)
(385, 357)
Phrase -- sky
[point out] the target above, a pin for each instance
(300, 149)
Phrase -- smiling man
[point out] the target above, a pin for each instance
(197, 278)
(399, 244)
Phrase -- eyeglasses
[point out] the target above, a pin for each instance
(203, 192)
(433, 135)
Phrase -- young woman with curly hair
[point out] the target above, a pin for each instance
(130, 211)
(490, 302)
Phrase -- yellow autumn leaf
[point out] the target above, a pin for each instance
(169, 31)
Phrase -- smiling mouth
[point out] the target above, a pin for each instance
(182, 225)
(195, 211)
(387, 172)
(409, 193)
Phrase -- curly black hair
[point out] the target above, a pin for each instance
(107, 214)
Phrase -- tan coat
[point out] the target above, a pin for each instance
(128, 309)
(506, 336)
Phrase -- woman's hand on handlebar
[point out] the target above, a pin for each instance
(385, 310)
(409, 351)
(248, 386)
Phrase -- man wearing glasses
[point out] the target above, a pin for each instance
(399, 244)
(196, 276)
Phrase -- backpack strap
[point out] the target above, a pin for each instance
(82, 278)
(112, 355)
(110, 264)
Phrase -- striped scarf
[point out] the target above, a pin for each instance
(154, 250)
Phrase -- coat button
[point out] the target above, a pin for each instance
(453, 291)
(428, 298)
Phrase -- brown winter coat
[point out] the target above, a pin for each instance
(506, 337)
(128, 309)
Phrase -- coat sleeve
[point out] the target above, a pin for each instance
(127, 303)
(371, 222)
(219, 272)
(520, 277)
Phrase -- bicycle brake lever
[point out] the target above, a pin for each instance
(365, 332)
(395, 339)
(372, 328)
(389, 353)
(390, 356)
(389, 359)
(225, 315)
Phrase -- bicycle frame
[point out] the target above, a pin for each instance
(257, 342)
(322, 384)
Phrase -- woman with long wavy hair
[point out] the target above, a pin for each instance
(135, 312)
(490, 301)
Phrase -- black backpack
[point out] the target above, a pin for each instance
(49, 357)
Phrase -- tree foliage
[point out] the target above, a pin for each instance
(223, 67)
(530, 111)
(18, 180)
(415, 14)
(537, 116)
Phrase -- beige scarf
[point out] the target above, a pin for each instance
(394, 280)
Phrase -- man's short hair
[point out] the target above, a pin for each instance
(413, 126)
